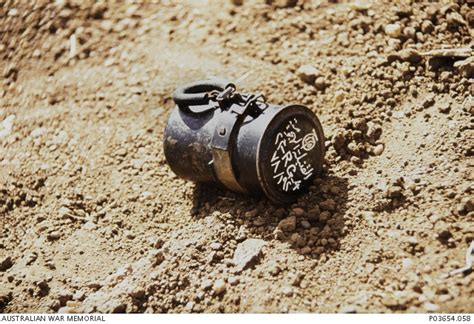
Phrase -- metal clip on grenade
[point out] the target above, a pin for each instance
(216, 135)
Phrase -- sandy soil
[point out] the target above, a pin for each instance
(93, 220)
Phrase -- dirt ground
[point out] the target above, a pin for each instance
(92, 219)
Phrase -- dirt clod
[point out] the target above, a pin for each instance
(287, 224)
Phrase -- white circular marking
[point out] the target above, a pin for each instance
(309, 141)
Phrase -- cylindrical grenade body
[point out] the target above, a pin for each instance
(277, 152)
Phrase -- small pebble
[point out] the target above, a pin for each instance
(430, 307)
(219, 287)
(378, 150)
(320, 83)
(216, 246)
(233, 281)
(287, 291)
(393, 30)
(307, 73)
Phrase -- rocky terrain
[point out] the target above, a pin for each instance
(93, 220)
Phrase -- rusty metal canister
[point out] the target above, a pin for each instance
(241, 142)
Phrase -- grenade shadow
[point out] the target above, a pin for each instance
(316, 233)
